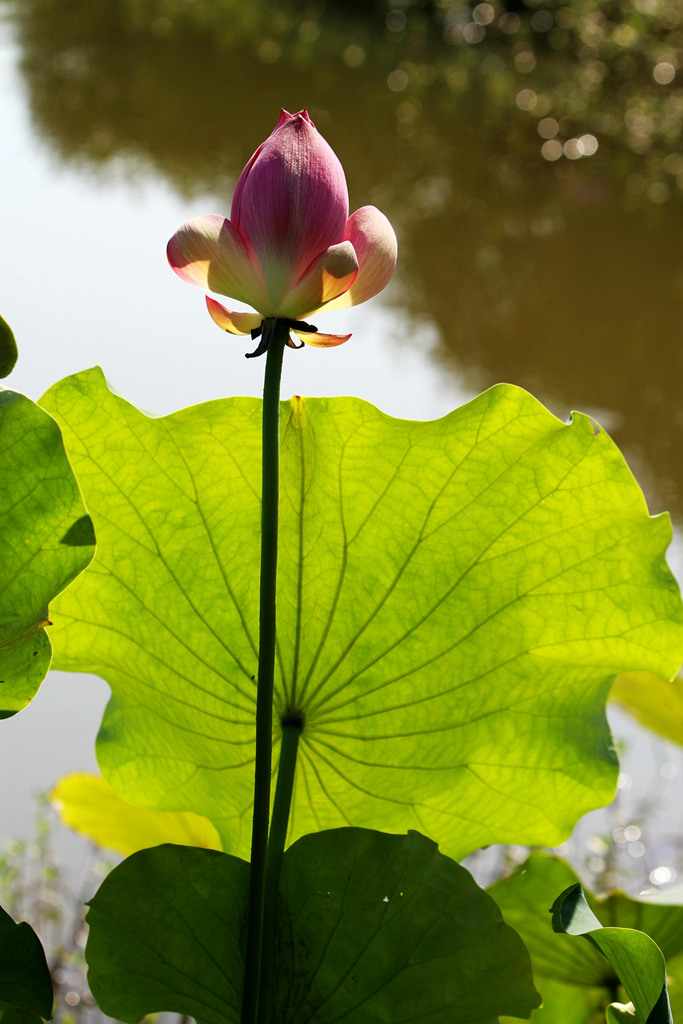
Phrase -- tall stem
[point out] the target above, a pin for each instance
(291, 730)
(270, 474)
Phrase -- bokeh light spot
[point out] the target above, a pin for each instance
(664, 72)
(483, 14)
(473, 32)
(548, 128)
(397, 80)
(396, 21)
(551, 150)
(353, 56)
(526, 99)
(541, 21)
(662, 875)
(269, 51)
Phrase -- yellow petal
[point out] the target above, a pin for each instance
(322, 340)
(88, 804)
(234, 323)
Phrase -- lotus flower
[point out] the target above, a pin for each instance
(289, 249)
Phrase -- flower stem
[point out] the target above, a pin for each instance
(270, 473)
(291, 731)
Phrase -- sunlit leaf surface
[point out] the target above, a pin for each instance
(371, 927)
(454, 597)
(46, 541)
(575, 980)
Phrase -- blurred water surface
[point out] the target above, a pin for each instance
(528, 155)
(530, 160)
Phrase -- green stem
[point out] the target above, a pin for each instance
(270, 476)
(291, 731)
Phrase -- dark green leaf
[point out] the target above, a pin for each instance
(80, 534)
(8, 349)
(15, 1015)
(166, 934)
(25, 983)
(385, 928)
(40, 506)
(371, 927)
(453, 600)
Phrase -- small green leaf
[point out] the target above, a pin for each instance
(8, 349)
(25, 983)
(637, 960)
(453, 600)
(371, 927)
(575, 979)
(46, 541)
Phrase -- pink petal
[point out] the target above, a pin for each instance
(210, 252)
(291, 202)
(237, 196)
(234, 323)
(330, 274)
(374, 241)
(286, 116)
(323, 340)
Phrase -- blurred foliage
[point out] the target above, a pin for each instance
(35, 888)
(655, 702)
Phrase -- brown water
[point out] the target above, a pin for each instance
(561, 273)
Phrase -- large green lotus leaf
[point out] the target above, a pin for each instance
(454, 597)
(46, 541)
(657, 703)
(25, 982)
(372, 927)
(574, 978)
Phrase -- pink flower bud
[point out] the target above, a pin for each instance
(289, 249)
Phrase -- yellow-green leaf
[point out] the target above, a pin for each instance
(89, 805)
(454, 598)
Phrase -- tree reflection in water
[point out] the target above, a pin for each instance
(528, 154)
